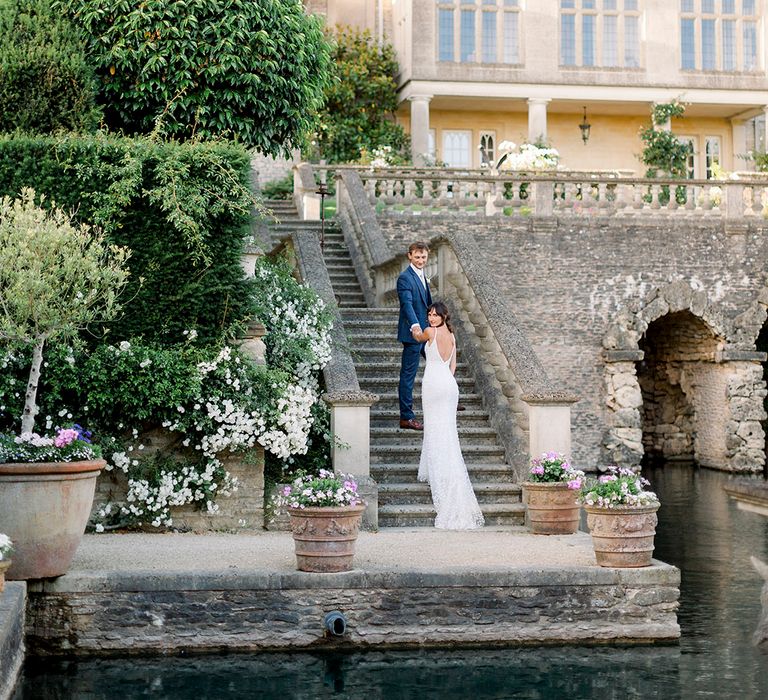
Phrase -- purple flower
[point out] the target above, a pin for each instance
(537, 469)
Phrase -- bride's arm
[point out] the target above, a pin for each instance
(423, 336)
(453, 357)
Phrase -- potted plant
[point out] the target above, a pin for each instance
(551, 495)
(621, 516)
(325, 513)
(55, 279)
(6, 549)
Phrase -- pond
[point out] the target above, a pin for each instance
(700, 530)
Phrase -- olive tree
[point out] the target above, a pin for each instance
(249, 70)
(55, 279)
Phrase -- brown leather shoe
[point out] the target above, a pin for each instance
(412, 424)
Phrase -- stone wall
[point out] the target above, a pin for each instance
(265, 168)
(243, 509)
(242, 611)
(585, 292)
(12, 610)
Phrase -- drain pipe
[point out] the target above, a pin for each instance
(335, 623)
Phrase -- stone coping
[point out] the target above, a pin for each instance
(389, 558)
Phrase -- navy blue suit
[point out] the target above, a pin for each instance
(414, 301)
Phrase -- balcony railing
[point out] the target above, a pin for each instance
(428, 191)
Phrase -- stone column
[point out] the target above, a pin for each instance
(537, 119)
(739, 138)
(351, 449)
(419, 127)
(765, 128)
(549, 423)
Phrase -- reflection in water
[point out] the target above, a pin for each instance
(700, 531)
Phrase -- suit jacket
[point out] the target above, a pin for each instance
(414, 302)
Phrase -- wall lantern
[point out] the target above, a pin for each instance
(585, 126)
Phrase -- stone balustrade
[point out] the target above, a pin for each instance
(425, 191)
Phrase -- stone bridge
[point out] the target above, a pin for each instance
(646, 299)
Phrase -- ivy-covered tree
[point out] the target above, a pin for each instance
(46, 84)
(663, 151)
(358, 114)
(251, 71)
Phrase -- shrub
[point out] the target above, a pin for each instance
(360, 104)
(181, 208)
(46, 83)
(279, 189)
(252, 71)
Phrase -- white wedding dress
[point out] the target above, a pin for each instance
(441, 462)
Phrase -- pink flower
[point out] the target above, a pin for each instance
(605, 478)
(537, 469)
(65, 436)
(574, 484)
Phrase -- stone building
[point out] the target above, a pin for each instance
(475, 73)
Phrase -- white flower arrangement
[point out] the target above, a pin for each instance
(326, 490)
(6, 547)
(528, 157)
(618, 488)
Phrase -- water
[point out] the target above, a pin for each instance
(700, 530)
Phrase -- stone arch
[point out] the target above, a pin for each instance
(681, 384)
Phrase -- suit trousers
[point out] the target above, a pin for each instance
(409, 366)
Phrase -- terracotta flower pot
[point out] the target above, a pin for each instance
(623, 537)
(44, 508)
(325, 537)
(553, 508)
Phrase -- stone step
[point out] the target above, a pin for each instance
(340, 258)
(392, 379)
(412, 453)
(345, 285)
(419, 492)
(348, 299)
(392, 368)
(390, 417)
(423, 515)
(382, 436)
(479, 472)
(389, 401)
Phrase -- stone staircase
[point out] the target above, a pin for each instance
(403, 501)
(288, 220)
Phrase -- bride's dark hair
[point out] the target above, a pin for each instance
(442, 311)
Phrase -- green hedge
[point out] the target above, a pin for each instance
(182, 209)
(45, 82)
(251, 70)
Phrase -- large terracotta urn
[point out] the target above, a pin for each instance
(623, 536)
(553, 508)
(44, 508)
(325, 537)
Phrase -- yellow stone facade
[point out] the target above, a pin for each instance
(556, 58)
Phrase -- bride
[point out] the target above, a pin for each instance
(441, 462)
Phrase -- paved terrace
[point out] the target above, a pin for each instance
(149, 593)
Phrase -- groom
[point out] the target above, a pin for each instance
(415, 298)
